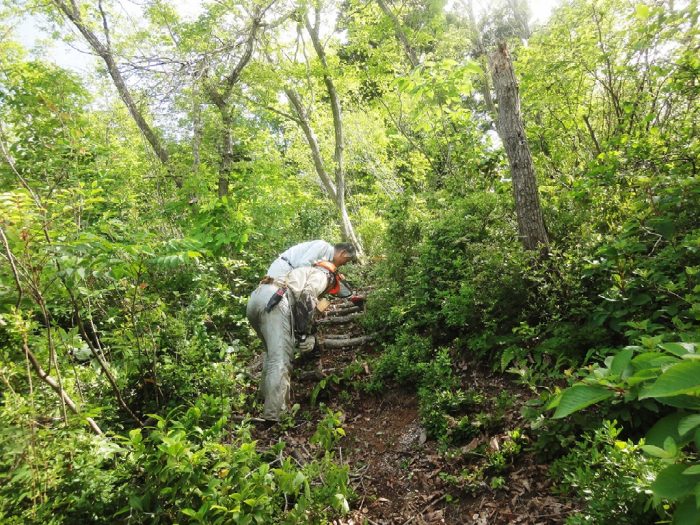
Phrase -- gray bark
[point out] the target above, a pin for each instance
(303, 121)
(400, 35)
(340, 319)
(344, 343)
(346, 224)
(510, 127)
(104, 51)
(220, 95)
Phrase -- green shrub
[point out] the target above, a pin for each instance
(612, 478)
(667, 374)
(184, 468)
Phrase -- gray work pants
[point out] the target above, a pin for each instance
(275, 330)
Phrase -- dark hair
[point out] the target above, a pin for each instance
(348, 247)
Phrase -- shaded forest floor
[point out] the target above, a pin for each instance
(398, 474)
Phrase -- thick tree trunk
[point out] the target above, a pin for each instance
(345, 222)
(512, 132)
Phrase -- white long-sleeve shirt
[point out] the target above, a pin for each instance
(304, 254)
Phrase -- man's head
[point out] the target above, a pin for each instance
(344, 252)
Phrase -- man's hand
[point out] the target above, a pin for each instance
(307, 345)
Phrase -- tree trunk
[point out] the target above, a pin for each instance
(220, 95)
(400, 35)
(104, 51)
(345, 222)
(512, 132)
(197, 134)
(303, 121)
(226, 151)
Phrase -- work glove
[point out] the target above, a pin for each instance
(307, 345)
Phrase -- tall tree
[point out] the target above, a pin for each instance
(400, 33)
(219, 93)
(103, 47)
(334, 100)
(533, 233)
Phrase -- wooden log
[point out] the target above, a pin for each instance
(340, 319)
(347, 335)
(348, 342)
(344, 310)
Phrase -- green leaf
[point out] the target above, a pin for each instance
(682, 401)
(653, 360)
(681, 378)
(670, 446)
(664, 428)
(688, 423)
(679, 349)
(580, 396)
(672, 484)
(695, 469)
(506, 357)
(641, 11)
(656, 451)
(621, 360)
(666, 227)
(686, 513)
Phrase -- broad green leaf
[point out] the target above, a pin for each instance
(664, 226)
(653, 360)
(695, 469)
(679, 349)
(681, 378)
(656, 451)
(664, 428)
(621, 360)
(646, 374)
(579, 397)
(672, 484)
(688, 423)
(670, 446)
(686, 513)
(683, 401)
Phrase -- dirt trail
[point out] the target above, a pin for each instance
(398, 474)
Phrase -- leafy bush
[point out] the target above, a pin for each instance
(55, 476)
(611, 477)
(183, 468)
(668, 374)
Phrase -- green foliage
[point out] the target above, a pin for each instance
(667, 373)
(182, 468)
(115, 260)
(329, 431)
(56, 476)
(613, 482)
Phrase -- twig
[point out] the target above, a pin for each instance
(426, 508)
